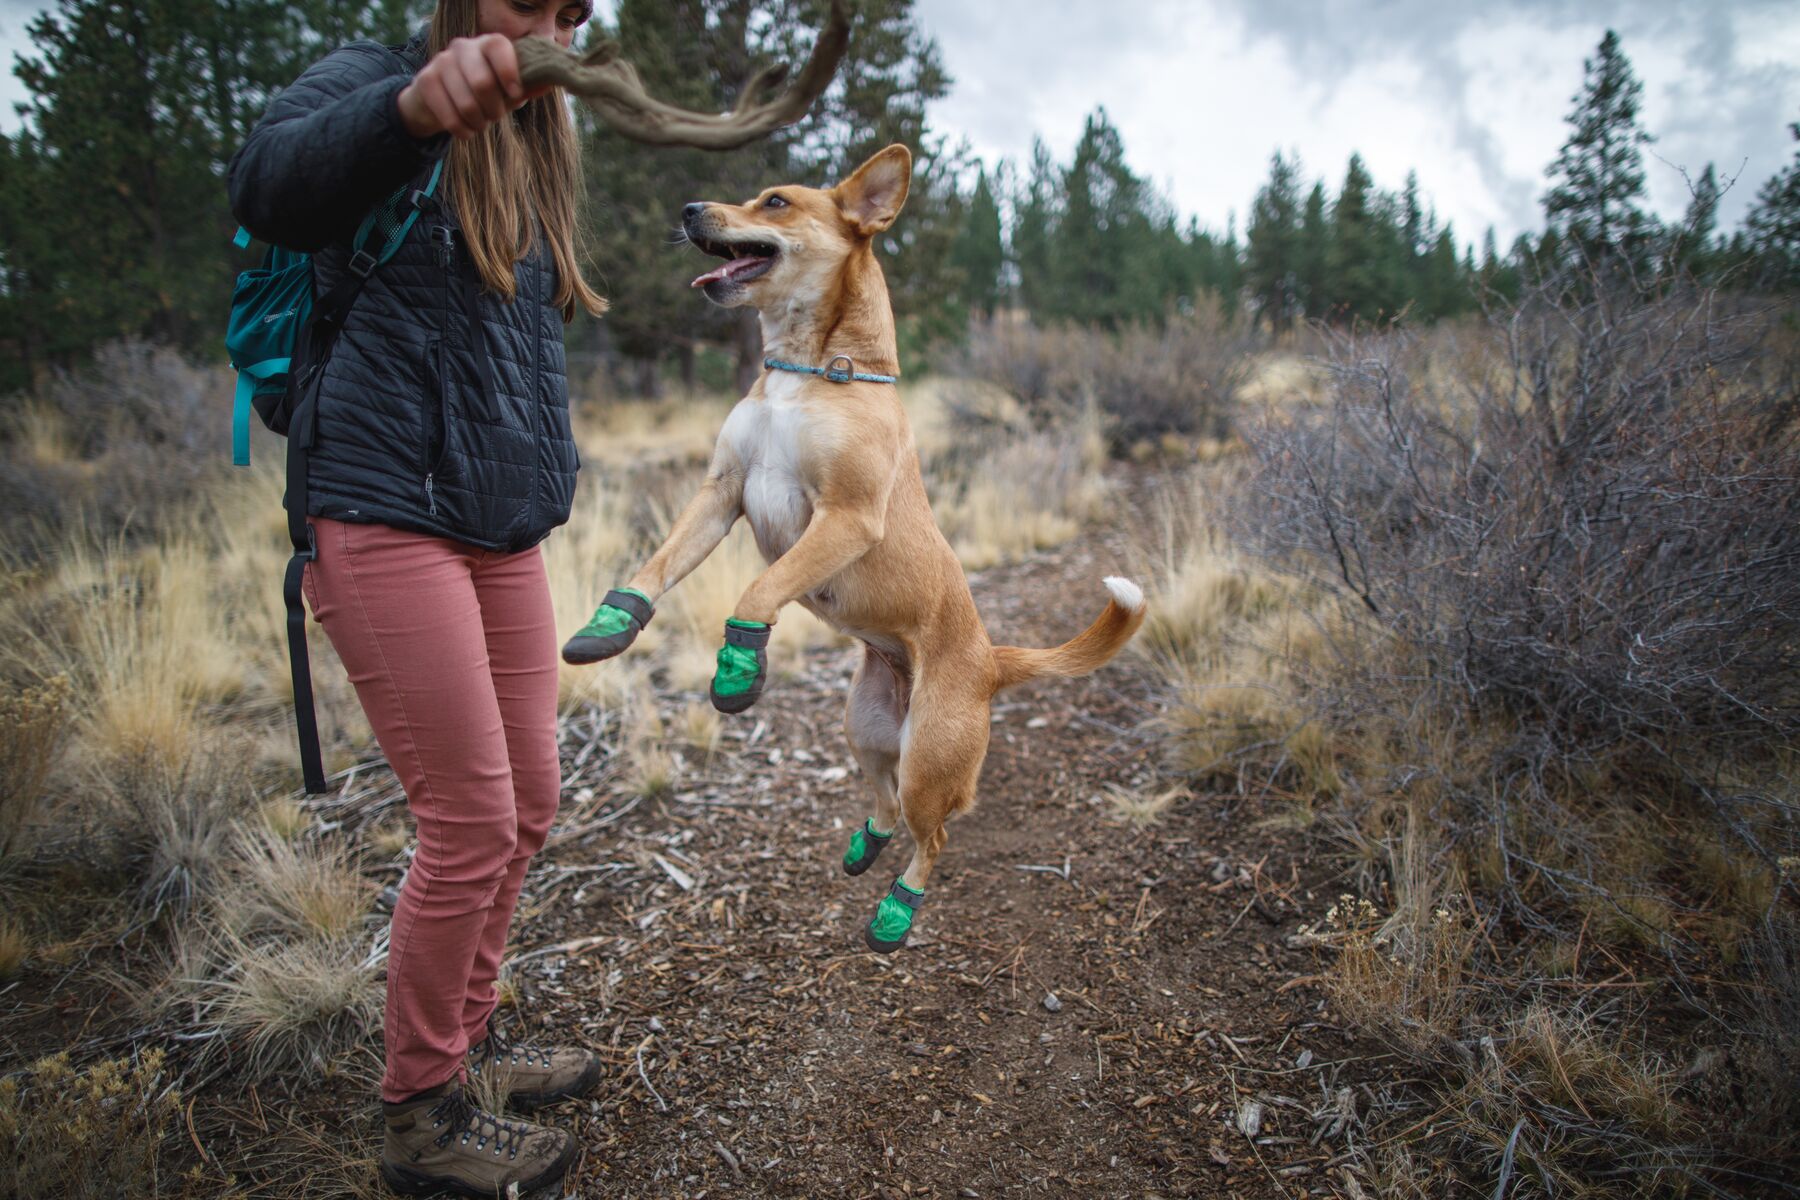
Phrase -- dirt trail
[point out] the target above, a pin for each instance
(758, 1050)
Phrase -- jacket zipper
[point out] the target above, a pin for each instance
(441, 236)
(536, 400)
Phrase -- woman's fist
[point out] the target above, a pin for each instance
(467, 86)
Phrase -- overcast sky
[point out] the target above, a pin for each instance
(1472, 94)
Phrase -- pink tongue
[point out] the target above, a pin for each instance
(736, 266)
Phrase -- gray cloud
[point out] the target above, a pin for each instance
(1720, 109)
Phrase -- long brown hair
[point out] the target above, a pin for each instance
(512, 169)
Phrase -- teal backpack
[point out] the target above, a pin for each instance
(272, 305)
(274, 322)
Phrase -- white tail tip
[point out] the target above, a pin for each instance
(1128, 594)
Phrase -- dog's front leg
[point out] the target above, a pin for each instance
(698, 531)
(833, 540)
(853, 479)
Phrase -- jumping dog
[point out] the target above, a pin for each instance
(821, 460)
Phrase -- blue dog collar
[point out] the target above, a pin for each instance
(831, 370)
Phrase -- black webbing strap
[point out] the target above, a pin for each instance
(301, 533)
(321, 333)
(906, 895)
(749, 639)
(630, 604)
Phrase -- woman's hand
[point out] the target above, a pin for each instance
(467, 86)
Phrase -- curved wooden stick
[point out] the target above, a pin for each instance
(611, 87)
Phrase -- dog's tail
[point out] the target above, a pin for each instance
(1086, 651)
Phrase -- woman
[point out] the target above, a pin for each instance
(442, 457)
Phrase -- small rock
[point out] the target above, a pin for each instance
(1304, 1061)
(1051, 1002)
(656, 1025)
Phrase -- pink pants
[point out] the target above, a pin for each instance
(453, 653)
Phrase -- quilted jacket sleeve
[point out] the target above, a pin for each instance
(330, 147)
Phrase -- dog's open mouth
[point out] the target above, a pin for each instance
(745, 261)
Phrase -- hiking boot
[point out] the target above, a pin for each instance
(440, 1144)
(532, 1076)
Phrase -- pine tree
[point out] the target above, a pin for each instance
(1272, 244)
(1772, 230)
(1356, 264)
(979, 254)
(1314, 253)
(1037, 208)
(1104, 248)
(1690, 249)
(112, 216)
(1598, 177)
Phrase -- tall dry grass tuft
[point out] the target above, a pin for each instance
(290, 1006)
(34, 725)
(15, 946)
(175, 821)
(291, 889)
(1241, 647)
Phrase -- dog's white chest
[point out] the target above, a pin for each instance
(766, 436)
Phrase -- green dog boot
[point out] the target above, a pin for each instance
(743, 665)
(893, 919)
(865, 847)
(621, 616)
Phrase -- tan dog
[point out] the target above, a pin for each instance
(828, 474)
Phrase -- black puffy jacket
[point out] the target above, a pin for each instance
(407, 433)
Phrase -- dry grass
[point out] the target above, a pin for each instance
(290, 1006)
(291, 889)
(1240, 646)
(177, 822)
(1143, 809)
(1402, 976)
(33, 727)
(651, 768)
(701, 727)
(15, 946)
(1021, 492)
(583, 559)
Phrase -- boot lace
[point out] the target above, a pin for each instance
(456, 1114)
(496, 1046)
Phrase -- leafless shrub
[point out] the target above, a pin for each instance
(1586, 527)
(1147, 381)
(119, 441)
(1568, 546)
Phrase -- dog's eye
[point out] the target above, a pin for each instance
(775, 202)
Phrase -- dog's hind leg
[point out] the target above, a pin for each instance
(873, 715)
(943, 743)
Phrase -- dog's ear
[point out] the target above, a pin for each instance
(872, 196)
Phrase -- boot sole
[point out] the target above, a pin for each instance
(531, 1101)
(407, 1182)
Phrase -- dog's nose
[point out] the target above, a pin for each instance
(692, 211)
